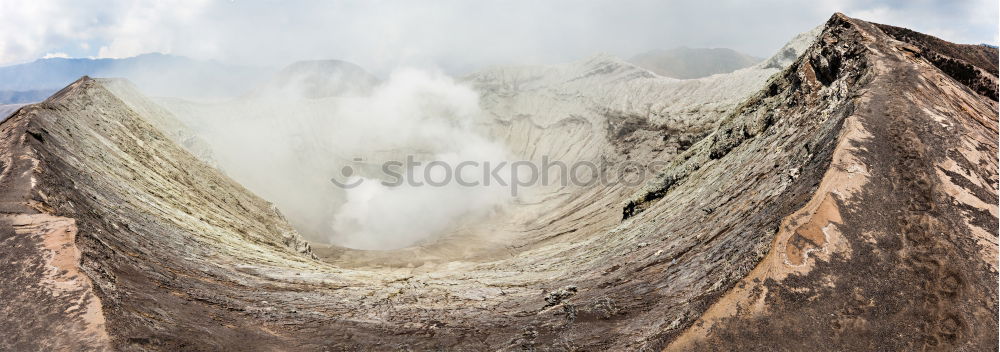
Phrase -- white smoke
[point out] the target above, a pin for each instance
(377, 216)
(430, 117)
(287, 150)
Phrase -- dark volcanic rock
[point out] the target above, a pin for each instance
(973, 65)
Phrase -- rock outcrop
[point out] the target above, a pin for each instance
(103, 214)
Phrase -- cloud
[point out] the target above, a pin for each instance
(158, 26)
(55, 55)
(962, 21)
(459, 36)
(30, 29)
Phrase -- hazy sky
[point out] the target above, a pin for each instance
(457, 36)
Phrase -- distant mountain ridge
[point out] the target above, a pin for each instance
(688, 63)
(156, 74)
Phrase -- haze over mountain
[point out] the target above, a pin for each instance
(318, 79)
(686, 63)
(155, 74)
(839, 195)
(7, 109)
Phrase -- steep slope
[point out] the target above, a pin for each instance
(101, 212)
(687, 63)
(848, 202)
(898, 239)
(289, 123)
(606, 112)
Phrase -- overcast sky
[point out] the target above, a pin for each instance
(457, 36)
